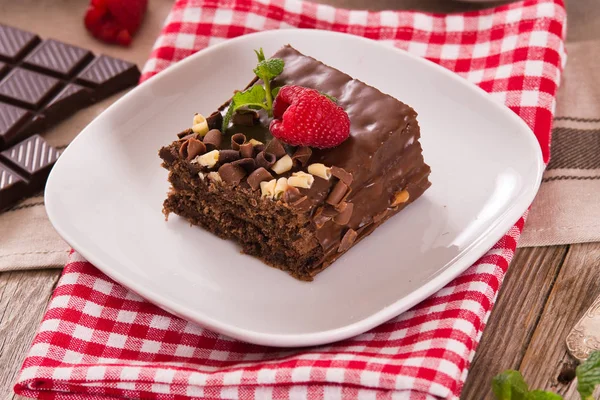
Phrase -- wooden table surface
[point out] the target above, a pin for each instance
(545, 292)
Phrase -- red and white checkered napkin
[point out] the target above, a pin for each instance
(99, 339)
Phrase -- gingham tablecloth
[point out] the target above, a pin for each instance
(99, 339)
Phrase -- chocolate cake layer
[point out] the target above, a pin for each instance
(380, 170)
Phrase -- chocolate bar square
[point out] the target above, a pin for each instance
(12, 118)
(57, 58)
(14, 43)
(27, 88)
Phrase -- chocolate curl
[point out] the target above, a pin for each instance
(301, 156)
(259, 147)
(247, 163)
(237, 140)
(212, 139)
(232, 174)
(245, 118)
(303, 204)
(291, 195)
(194, 148)
(337, 193)
(345, 213)
(265, 159)
(183, 149)
(275, 147)
(183, 134)
(342, 175)
(348, 240)
(258, 176)
(247, 150)
(214, 120)
(227, 156)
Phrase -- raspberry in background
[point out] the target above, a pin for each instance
(305, 117)
(115, 21)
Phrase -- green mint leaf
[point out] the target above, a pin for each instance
(260, 54)
(330, 97)
(275, 91)
(269, 69)
(509, 385)
(588, 375)
(542, 395)
(253, 97)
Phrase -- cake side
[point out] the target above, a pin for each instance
(372, 175)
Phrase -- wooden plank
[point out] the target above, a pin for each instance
(547, 364)
(24, 296)
(513, 320)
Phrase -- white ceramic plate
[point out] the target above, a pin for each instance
(105, 194)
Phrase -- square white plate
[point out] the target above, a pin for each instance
(105, 194)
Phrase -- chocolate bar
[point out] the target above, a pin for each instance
(42, 82)
(24, 169)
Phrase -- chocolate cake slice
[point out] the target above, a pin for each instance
(298, 208)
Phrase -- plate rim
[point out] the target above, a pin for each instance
(494, 232)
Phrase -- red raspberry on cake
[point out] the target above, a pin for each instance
(305, 117)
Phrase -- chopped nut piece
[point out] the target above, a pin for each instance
(267, 189)
(214, 176)
(207, 160)
(400, 198)
(282, 165)
(200, 126)
(255, 142)
(320, 170)
(301, 179)
(280, 188)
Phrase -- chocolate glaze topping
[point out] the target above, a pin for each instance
(382, 154)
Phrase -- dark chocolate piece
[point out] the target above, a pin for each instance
(275, 147)
(107, 75)
(247, 150)
(247, 163)
(301, 156)
(11, 120)
(27, 89)
(347, 240)
(248, 118)
(33, 158)
(212, 139)
(227, 156)
(342, 175)
(215, 120)
(57, 58)
(259, 175)
(337, 193)
(237, 141)
(12, 187)
(195, 148)
(231, 173)
(345, 213)
(72, 98)
(14, 43)
(265, 160)
(3, 69)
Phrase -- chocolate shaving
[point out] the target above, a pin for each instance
(245, 118)
(301, 156)
(259, 147)
(215, 120)
(247, 150)
(342, 175)
(347, 240)
(259, 175)
(212, 139)
(265, 159)
(291, 195)
(227, 156)
(337, 193)
(194, 148)
(232, 174)
(237, 140)
(168, 154)
(275, 147)
(184, 133)
(183, 149)
(247, 163)
(345, 213)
